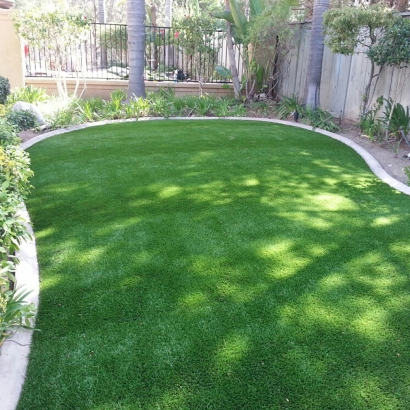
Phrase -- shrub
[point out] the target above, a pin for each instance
(15, 170)
(4, 89)
(30, 94)
(8, 133)
(22, 119)
(15, 173)
(369, 125)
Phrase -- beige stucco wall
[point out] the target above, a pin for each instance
(11, 53)
(103, 88)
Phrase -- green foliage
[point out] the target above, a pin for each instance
(316, 117)
(15, 312)
(199, 39)
(15, 170)
(370, 125)
(4, 89)
(348, 27)
(393, 49)
(22, 119)
(265, 36)
(8, 133)
(407, 172)
(14, 186)
(30, 94)
(397, 120)
(287, 106)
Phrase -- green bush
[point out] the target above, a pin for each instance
(14, 186)
(8, 133)
(22, 119)
(369, 124)
(4, 89)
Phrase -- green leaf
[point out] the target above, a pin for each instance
(239, 17)
(223, 71)
(224, 15)
(257, 7)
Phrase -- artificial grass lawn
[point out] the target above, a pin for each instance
(216, 265)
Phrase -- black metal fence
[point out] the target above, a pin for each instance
(170, 55)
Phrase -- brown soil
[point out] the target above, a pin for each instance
(392, 160)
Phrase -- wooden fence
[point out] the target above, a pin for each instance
(343, 78)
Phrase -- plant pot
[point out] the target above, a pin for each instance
(6, 4)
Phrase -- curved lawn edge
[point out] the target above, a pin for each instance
(374, 165)
(14, 357)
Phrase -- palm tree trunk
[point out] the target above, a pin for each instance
(316, 47)
(231, 53)
(101, 19)
(136, 47)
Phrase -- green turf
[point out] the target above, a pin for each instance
(216, 265)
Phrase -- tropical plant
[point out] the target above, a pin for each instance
(289, 106)
(4, 89)
(247, 32)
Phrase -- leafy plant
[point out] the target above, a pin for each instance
(4, 89)
(384, 52)
(22, 119)
(397, 120)
(370, 125)
(15, 170)
(288, 106)
(318, 118)
(346, 28)
(30, 94)
(8, 135)
(407, 172)
(15, 312)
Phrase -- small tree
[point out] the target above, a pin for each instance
(357, 29)
(56, 31)
(198, 38)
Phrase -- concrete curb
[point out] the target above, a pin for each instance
(14, 357)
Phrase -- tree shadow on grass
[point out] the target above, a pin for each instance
(234, 270)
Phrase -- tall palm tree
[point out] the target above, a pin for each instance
(316, 47)
(136, 47)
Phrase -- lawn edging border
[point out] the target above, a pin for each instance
(14, 355)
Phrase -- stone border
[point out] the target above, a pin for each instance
(14, 357)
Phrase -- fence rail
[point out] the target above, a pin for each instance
(103, 54)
